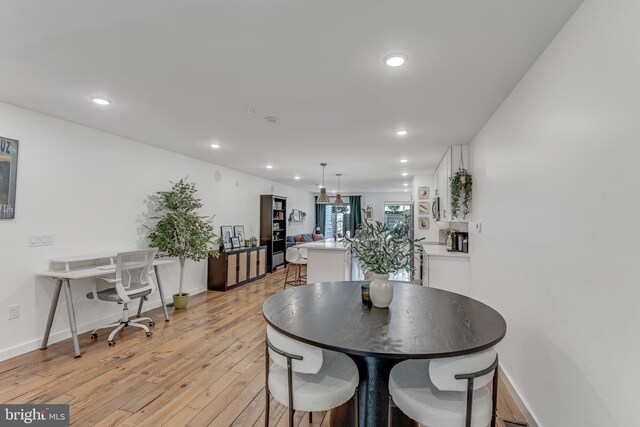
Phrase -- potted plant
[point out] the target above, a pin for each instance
(180, 231)
(253, 241)
(381, 251)
(461, 182)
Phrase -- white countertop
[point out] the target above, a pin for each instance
(325, 245)
(441, 250)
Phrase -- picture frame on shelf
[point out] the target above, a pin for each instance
(226, 231)
(238, 231)
(423, 193)
(423, 208)
(235, 243)
(423, 223)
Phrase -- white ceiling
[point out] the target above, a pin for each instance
(183, 74)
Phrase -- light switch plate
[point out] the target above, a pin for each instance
(14, 311)
(41, 240)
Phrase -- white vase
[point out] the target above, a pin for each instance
(380, 290)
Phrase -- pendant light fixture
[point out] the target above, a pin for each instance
(323, 199)
(338, 202)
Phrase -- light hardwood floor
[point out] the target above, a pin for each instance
(204, 367)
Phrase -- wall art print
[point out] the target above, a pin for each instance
(8, 177)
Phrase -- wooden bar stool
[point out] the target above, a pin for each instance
(297, 258)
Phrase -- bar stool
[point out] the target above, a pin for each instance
(296, 257)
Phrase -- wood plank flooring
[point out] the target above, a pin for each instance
(203, 368)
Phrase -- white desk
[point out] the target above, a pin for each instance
(63, 270)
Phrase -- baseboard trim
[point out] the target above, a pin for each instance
(531, 420)
(55, 337)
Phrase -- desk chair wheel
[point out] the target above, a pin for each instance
(111, 343)
(152, 323)
(94, 337)
(149, 333)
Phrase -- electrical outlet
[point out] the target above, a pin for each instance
(14, 311)
(41, 240)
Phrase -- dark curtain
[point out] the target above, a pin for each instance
(355, 219)
(321, 213)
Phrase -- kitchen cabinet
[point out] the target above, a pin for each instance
(327, 261)
(450, 271)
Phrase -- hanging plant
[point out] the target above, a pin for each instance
(461, 182)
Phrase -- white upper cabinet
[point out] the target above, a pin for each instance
(448, 167)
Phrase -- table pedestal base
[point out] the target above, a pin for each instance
(345, 415)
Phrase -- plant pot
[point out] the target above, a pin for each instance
(180, 301)
(381, 290)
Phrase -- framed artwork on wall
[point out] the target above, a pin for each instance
(238, 231)
(226, 231)
(423, 193)
(423, 208)
(8, 177)
(423, 223)
(368, 213)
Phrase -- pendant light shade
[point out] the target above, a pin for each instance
(323, 199)
(338, 202)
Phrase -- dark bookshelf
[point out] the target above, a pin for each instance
(273, 229)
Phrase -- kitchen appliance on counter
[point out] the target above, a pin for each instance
(458, 241)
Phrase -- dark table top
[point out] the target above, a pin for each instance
(421, 322)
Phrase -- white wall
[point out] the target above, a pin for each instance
(89, 188)
(556, 169)
(377, 201)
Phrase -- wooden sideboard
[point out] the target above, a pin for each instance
(236, 268)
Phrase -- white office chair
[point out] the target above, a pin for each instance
(306, 378)
(296, 257)
(449, 392)
(132, 280)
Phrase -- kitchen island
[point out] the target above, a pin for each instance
(446, 270)
(327, 261)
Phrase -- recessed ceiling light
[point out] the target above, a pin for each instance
(406, 191)
(333, 191)
(401, 132)
(405, 184)
(101, 101)
(216, 146)
(404, 174)
(272, 119)
(319, 185)
(395, 59)
(269, 167)
(296, 177)
(404, 161)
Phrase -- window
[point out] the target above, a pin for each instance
(336, 222)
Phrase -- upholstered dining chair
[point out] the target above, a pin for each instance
(450, 392)
(306, 378)
(296, 257)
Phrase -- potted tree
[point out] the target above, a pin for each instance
(382, 250)
(180, 231)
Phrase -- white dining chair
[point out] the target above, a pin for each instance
(450, 392)
(132, 280)
(296, 257)
(306, 378)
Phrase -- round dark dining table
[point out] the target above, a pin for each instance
(421, 323)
